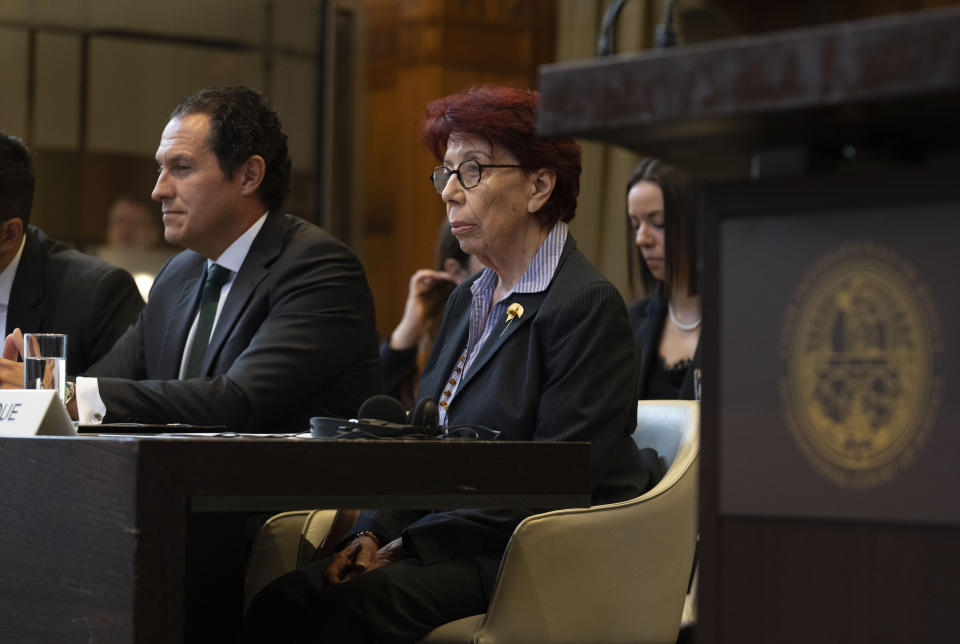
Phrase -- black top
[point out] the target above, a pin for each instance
(656, 381)
(665, 383)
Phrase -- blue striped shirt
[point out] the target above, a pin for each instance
(535, 279)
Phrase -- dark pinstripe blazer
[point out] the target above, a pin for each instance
(564, 371)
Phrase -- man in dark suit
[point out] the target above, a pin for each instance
(265, 320)
(46, 287)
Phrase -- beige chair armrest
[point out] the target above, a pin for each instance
(458, 631)
(291, 540)
(624, 562)
(611, 573)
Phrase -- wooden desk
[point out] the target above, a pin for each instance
(93, 530)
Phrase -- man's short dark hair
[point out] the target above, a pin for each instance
(242, 124)
(16, 179)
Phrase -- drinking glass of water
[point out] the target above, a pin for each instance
(45, 361)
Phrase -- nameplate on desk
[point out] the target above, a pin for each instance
(33, 412)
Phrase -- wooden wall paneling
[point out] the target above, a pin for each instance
(57, 85)
(421, 50)
(101, 178)
(13, 80)
(134, 85)
(227, 19)
(294, 97)
(419, 209)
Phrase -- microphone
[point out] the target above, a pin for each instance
(426, 415)
(665, 35)
(605, 42)
(382, 407)
(380, 416)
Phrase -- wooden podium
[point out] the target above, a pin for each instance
(830, 160)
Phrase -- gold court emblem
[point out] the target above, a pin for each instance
(859, 341)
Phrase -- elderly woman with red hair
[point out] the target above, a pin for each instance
(537, 345)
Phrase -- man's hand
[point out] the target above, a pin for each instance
(11, 371)
(360, 556)
(13, 345)
(408, 332)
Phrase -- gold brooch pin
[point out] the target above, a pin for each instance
(515, 310)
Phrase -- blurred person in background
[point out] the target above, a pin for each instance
(405, 351)
(134, 240)
(661, 229)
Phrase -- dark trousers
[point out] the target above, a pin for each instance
(399, 602)
(218, 545)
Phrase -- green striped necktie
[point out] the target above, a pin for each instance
(216, 277)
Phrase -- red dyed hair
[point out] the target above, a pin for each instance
(507, 117)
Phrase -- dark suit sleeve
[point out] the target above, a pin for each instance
(388, 525)
(57, 289)
(115, 305)
(314, 323)
(399, 366)
(587, 394)
(125, 359)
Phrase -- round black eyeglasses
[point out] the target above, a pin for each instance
(468, 173)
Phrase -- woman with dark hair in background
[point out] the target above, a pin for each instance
(661, 224)
(406, 350)
(537, 346)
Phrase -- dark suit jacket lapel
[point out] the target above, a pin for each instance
(687, 390)
(648, 336)
(502, 331)
(266, 247)
(174, 338)
(26, 294)
(444, 355)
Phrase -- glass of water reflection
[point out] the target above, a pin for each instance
(45, 361)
